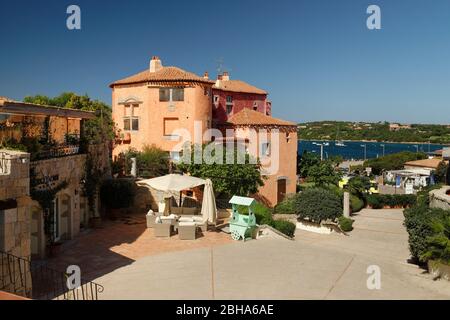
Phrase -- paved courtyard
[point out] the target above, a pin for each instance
(311, 267)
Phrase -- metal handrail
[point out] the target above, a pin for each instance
(25, 278)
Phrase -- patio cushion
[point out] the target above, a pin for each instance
(190, 211)
(198, 219)
(186, 224)
(186, 219)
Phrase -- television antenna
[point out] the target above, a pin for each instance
(221, 66)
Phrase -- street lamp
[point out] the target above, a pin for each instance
(384, 148)
(321, 149)
(365, 151)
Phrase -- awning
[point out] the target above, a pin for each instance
(178, 183)
(173, 182)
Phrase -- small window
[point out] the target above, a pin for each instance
(164, 94)
(229, 99)
(135, 124)
(255, 106)
(126, 124)
(178, 94)
(216, 99)
(288, 137)
(131, 124)
(265, 149)
(229, 109)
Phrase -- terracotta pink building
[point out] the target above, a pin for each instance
(151, 107)
(231, 96)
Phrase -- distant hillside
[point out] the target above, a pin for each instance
(382, 131)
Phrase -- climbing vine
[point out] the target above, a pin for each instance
(94, 175)
(46, 197)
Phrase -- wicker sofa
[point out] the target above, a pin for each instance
(185, 211)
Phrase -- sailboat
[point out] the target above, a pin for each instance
(338, 143)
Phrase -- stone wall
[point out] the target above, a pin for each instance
(71, 170)
(439, 198)
(15, 222)
(15, 202)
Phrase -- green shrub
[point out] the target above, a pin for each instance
(345, 223)
(264, 216)
(150, 162)
(418, 223)
(356, 203)
(317, 204)
(378, 201)
(117, 193)
(438, 245)
(286, 227)
(423, 196)
(286, 206)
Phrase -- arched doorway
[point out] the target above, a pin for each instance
(63, 217)
(37, 233)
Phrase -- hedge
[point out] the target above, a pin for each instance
(379, 201)
(286, 227)
(418, 223)
(356, 203)
(286, 206)
(317, 204)
(346, 224)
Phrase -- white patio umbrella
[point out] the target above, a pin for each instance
(178, 183)
(209, 209)
(173, 182)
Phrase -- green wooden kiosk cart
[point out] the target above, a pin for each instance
(242, 226)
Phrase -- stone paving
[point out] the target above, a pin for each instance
(131, 264)
(119, 243)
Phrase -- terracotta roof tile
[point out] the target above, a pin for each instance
(425, 163)
(238, 86)
(165, 74)
(250, 117)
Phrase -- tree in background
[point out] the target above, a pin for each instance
(150, 162)
(324, 174)
(440, 172)
(228, 179)
(305, 162)
(394, 161)
(359, 186)
(97, 130)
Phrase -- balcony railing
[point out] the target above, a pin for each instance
(36, 281)
(56, 152)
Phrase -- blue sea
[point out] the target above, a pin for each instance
(354, 150)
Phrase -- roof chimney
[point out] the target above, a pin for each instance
(219, 80)
(206, 75)
(226, 76)
(155, 64)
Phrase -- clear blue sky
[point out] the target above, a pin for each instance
(315, 57)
